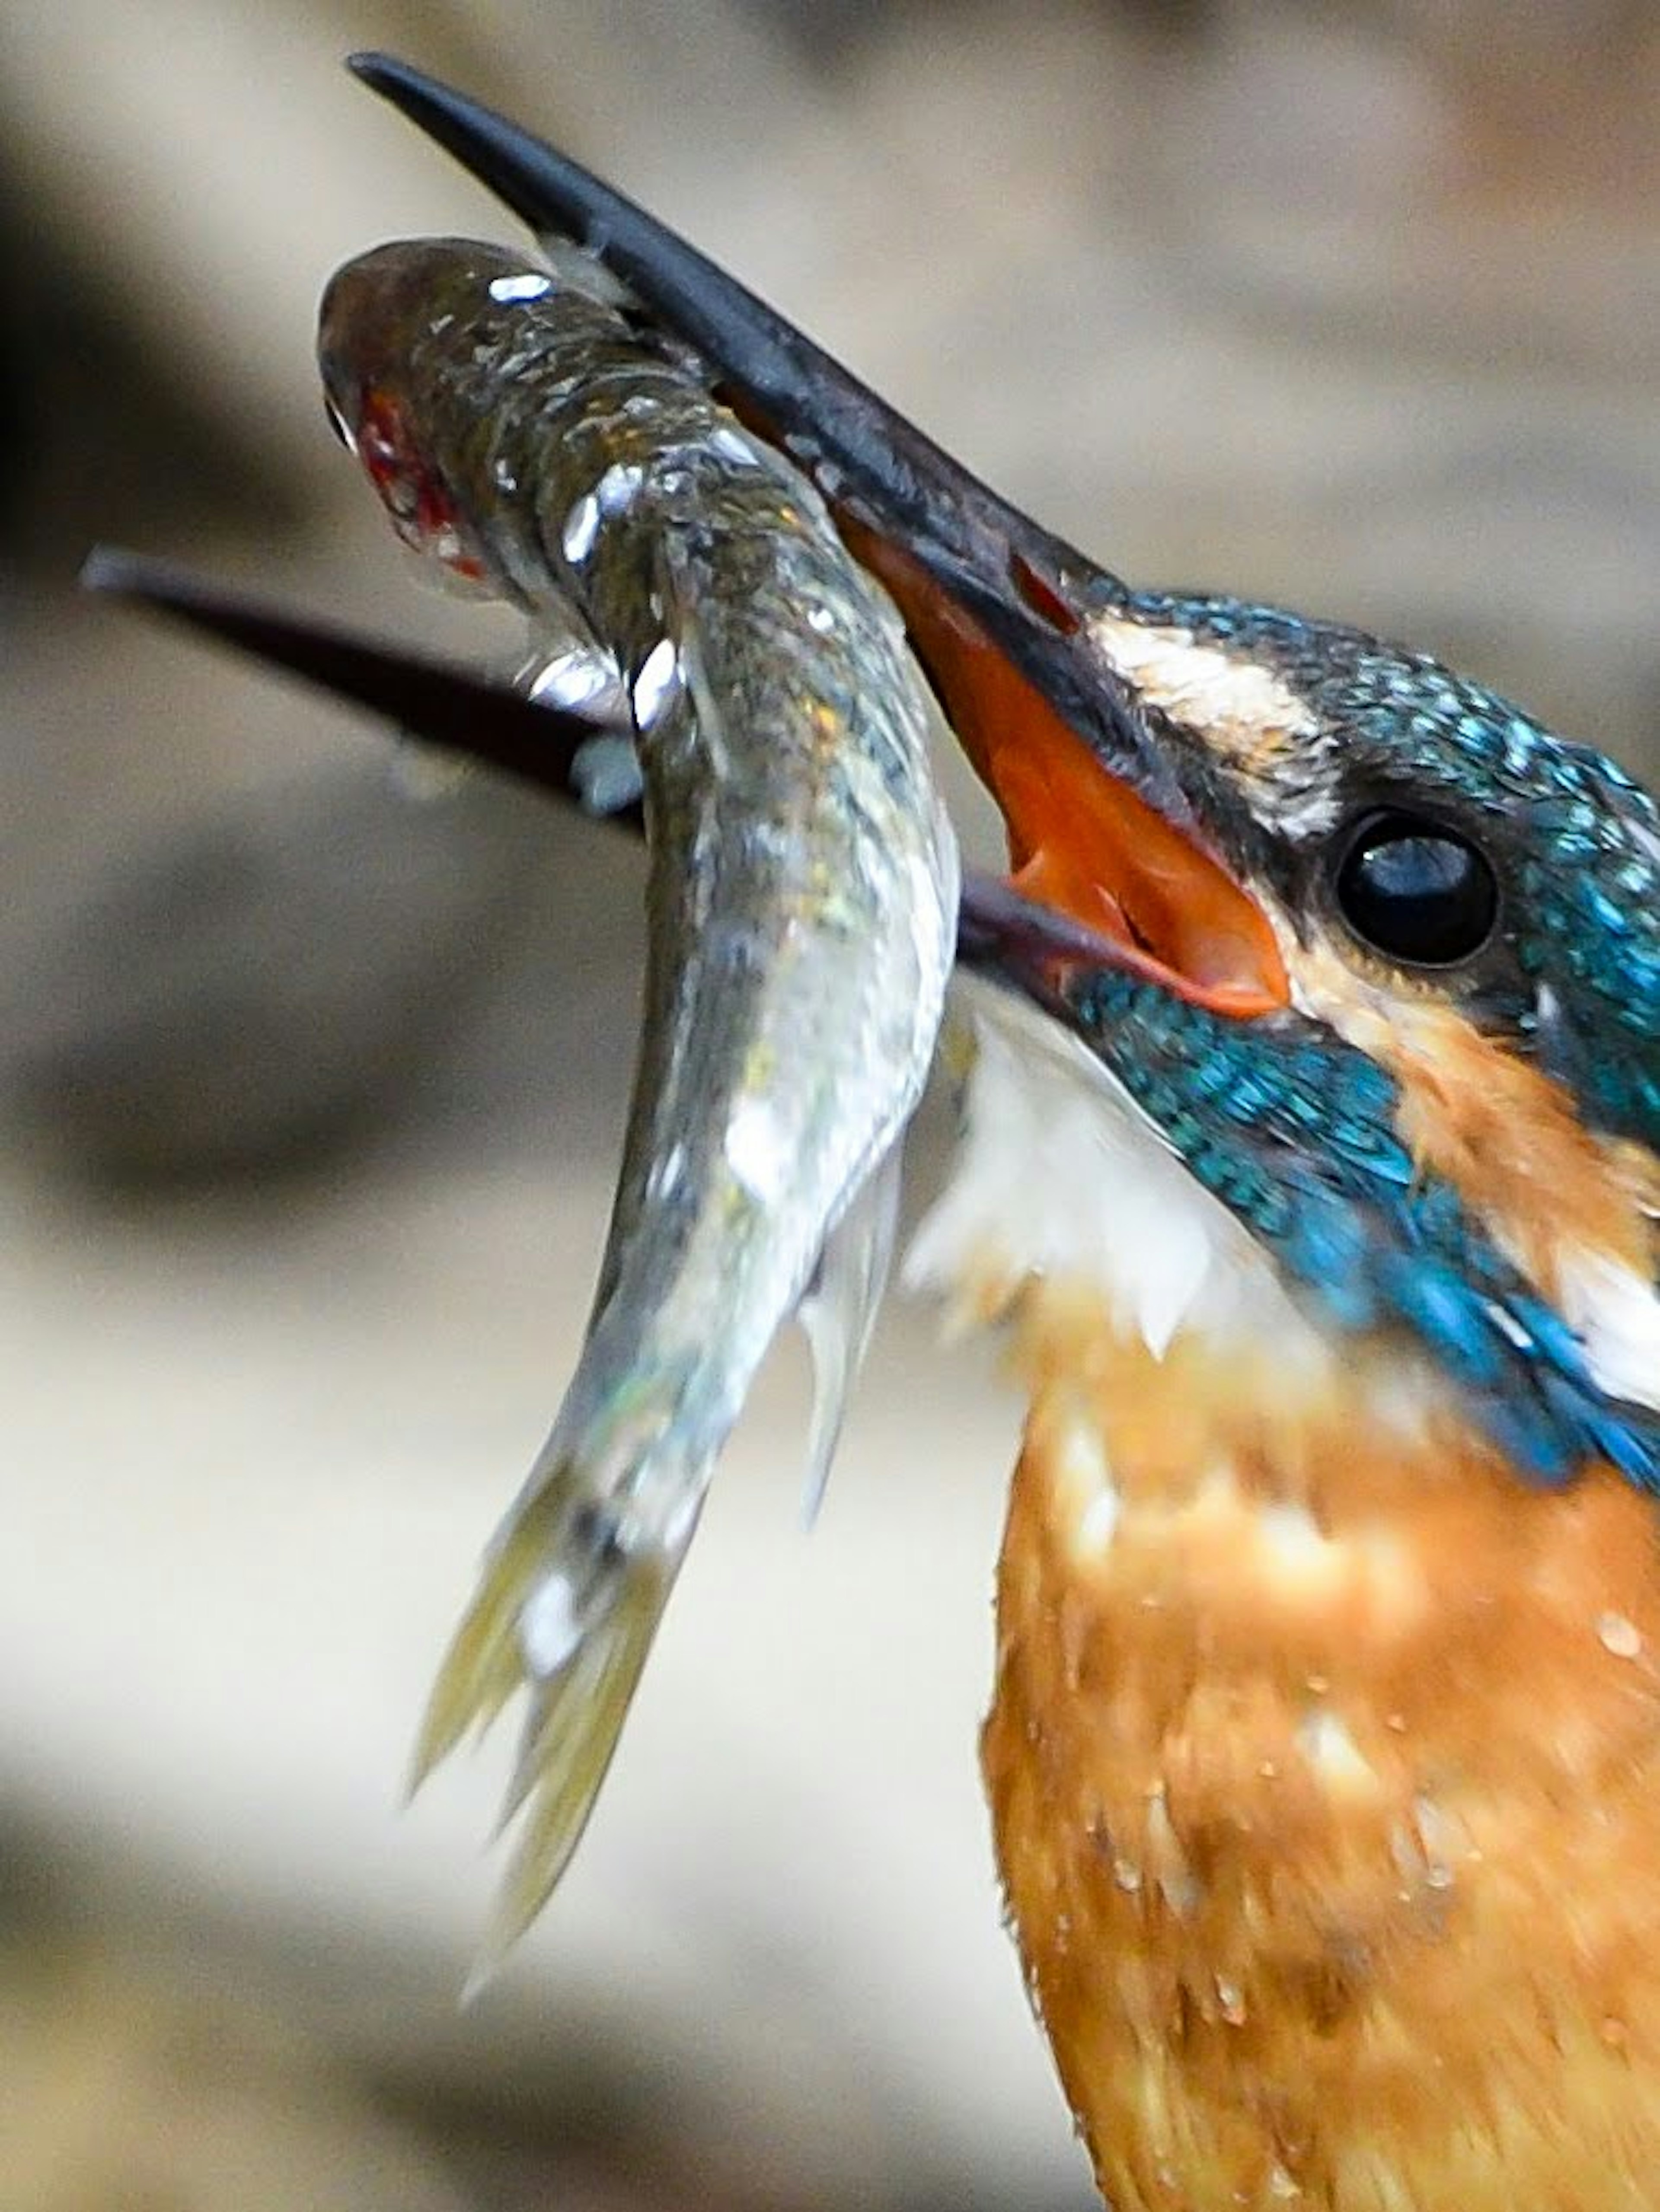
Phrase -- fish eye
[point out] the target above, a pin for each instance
(1416, 891)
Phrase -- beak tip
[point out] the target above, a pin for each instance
(409, 89)
(113, 573)
(374, 68)
(496, 151)
(106, 569)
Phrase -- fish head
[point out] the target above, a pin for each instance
(385, 330)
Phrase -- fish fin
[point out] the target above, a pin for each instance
(568, 669)
(570, 1736)
(838, 1311)
(484, 1664)
(566, 1610)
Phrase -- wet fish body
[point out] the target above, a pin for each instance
(525, 427)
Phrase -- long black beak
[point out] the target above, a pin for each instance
(444, 704)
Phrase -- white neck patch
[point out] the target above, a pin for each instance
(1616, 1315)
(1060, 1175)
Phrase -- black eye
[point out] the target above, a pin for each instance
(1416, 891)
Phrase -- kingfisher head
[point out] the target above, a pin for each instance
(1438, 1121)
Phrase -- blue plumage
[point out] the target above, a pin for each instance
(1580, 838)
(1294, 1131)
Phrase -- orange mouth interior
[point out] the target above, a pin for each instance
(1081, 842)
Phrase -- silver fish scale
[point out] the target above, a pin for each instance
(801, 906)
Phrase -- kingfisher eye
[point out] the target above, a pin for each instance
(1416, 891)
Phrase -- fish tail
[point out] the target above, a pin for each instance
(566, 1611)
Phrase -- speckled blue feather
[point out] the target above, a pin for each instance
(1293, 1131)
(1579, 838)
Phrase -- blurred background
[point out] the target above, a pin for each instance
(310, 1089)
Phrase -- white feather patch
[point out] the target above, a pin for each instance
(1615, 1313)
(1060, 1174)
(1239, 705)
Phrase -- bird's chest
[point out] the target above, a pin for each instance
(1324, 1762)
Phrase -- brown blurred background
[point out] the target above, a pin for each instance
(310, 1089)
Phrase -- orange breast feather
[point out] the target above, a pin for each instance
(1324, 1763)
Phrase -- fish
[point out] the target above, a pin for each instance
(529, 431)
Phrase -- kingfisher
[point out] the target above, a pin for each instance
(1310, 1163)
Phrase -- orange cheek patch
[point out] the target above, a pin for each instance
(1503, 1134)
